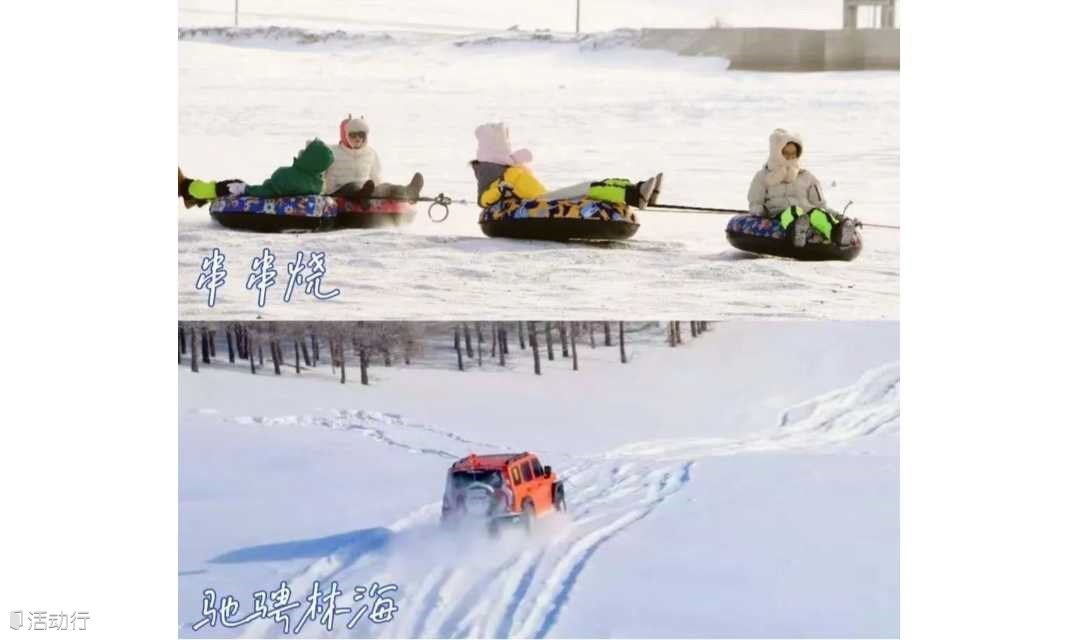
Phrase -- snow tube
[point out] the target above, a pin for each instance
(559, 220)
(758, 234)
(310, 213)
(378, 213)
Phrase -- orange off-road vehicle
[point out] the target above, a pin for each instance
(501, 488)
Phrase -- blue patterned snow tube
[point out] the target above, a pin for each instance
(312, 213)
(759, 234)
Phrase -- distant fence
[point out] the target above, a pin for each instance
(772, 49)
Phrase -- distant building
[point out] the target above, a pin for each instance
(884, 13)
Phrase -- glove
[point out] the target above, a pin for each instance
(226, 188)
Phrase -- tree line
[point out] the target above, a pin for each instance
(346, 345)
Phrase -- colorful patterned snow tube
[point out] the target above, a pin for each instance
(310, 213)
(559, 220)
(758, 234)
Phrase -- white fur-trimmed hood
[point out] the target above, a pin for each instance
(781, 169)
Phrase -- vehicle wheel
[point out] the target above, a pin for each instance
(560, 500)
(528, 515)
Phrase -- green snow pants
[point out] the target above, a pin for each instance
(820, 220)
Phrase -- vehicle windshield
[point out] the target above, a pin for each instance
(461, 479)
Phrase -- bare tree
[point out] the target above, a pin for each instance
(275, 351)
(468, 339)
(495, 344)
(213, 342)
(521, 334)
(296, 352)
(622, 344)
(607, 333)
(573, 343)
(502, 347)
(678, 332)
(341, 358)
(365, 337)
(534, 343)
(337, 333)
(562, 339)
(205, 346)
(304, 351)
(411, 340)
(592, 336)
(249, 348)
(229, 344)
(457, 347)
(241, 341)
(547, 337)
(479, 346)
(693, 329)
(183, 345)
(194, 352)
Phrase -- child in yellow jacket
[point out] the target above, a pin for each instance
(502, 173)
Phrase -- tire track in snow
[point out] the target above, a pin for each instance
(429, 596)
(847, 415)
(554, 592)
(377, 426)
(522, 589)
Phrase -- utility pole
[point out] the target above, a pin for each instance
(577, 19)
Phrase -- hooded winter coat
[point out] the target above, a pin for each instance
(303, 178)
(496, 164)
(352, 164)
(781, 183)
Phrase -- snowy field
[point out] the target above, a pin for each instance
(589, 109)
(745, 484)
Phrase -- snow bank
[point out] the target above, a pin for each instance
(282, 37)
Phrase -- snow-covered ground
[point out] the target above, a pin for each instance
(744, 484)
(593, 109)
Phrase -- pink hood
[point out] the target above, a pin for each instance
(351, 124)
(493, 145)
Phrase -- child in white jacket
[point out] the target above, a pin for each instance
(784, 189)
(356, 173)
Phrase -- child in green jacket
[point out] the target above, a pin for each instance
(303, 178)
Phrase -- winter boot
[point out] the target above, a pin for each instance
(412, 190)
(183, 183)
(645, 192)
(363, 196)
(845, 232)
(799, 230)
(656, 190)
